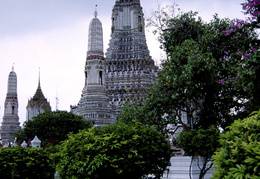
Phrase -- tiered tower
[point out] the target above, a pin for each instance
(130, 69)
(37, 104)
(10, 122)
(94, 103)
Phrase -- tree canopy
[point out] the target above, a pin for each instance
(52, 127)
(114, 151)
(208, 74)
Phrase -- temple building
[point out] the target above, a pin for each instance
(37, 104)
(10, 123)
(130, 70)
(94, 103)
(126, 72)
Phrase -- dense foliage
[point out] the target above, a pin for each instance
(115, 151)
(239, 154)
(52, 127)
(28, 163)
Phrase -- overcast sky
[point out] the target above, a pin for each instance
(53, 35)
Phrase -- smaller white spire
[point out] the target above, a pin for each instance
(95, 37)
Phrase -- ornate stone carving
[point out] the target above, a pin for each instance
(129, 65)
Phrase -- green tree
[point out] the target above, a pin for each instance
(239, 154)
(52, 127)
(27, 163)
(200, 144)
(209, 75)
(115, 151)
(205, 75)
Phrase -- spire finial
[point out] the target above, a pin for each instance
(95, 13)
(39, 83)
(13, 67)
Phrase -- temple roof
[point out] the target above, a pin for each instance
(38, 94)
(39, 99)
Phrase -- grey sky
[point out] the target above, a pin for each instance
(52, 35)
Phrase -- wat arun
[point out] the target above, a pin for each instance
(124, 73)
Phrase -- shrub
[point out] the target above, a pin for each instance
(25, 163)
(115, 151)
(239, 154)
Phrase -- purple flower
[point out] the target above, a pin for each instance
(238, 77)
(226, 52)
(248, 55)
(233, 25)
(244, 6)
(235, 37)
(253, 4)
(228, 32)
(221, 81)
(240, 53)
(220, 59)
(240, 22)
(250, 19)
(253, 49)
(255, 13)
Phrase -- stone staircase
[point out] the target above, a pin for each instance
(179, 169)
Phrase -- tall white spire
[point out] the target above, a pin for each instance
(94, 103)
(95, 37)
(95, 54)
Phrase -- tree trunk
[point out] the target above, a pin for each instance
(204, 168)
(192, 158)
